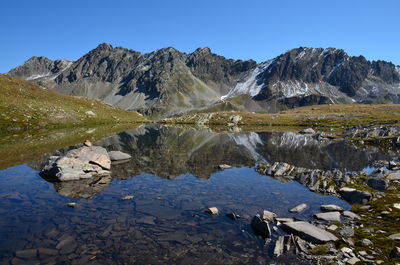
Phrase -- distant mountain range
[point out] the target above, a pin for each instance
(167, 82)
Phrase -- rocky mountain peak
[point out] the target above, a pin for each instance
(167, 81)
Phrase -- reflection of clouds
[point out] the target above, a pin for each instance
(250, 141)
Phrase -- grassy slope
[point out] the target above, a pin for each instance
(26, 106)
(332, 116)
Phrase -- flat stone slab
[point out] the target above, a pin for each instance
(331, 208)
(329, 216)
(309, 232)
(118, 156)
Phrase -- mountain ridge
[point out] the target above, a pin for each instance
(168, 82)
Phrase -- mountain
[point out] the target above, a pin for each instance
(168, 82)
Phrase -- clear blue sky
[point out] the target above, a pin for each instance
(247, 29)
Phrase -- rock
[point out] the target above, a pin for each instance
(81, 163)
(346, 231)
(332, 227)
(268, 216)
(71, 204)
(331, 208)
(329, 216)
(307, 131)
(309, 232)
(90, 113)
(393, 176)
(261, 227)
(298, 208)
(395, 236)
(364, 242)
(233, 216)
(378, 184)
(396, 205)
(26, 254)
(66, 240)
(284, 220)
(118, 155)
(212, 210)
(45, 252)
(278, 250)
(351, 215)
(353, 260)
(224, 166)
(87, 143)
(346, 250)
(395, 253)
(355, 196)
(127, 198)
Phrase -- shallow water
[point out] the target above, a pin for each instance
(173, 178)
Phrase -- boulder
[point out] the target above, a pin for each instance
(84, 162)
(395, 236)
(268, 216)
(395, 253)
(346, 231)
(118, 155)
(212, 210)
(260, 226)
(355, 196)
(233, 216)
(278, 249)
(309, 232)
(378, 184)
(351, 215)
(307, 131)
(329, 216)
(331, 208)
(393, 176)
(364, 242)
(298, 208)
(224, 166)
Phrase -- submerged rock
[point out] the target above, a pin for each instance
(309, 232)
(84, 162)
(233, 216)
(260, 226)
(278, 250)
(127, 198)
(298, 208)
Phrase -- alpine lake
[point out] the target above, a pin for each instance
(173, 176)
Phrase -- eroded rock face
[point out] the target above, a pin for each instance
(82, 163)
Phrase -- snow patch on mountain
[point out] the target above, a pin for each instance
(252, 85)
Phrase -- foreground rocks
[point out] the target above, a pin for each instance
(81, 163)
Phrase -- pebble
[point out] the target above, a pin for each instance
(71, 204)
(212, 210)
(127, 198)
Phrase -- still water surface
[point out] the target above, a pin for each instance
(173, 176)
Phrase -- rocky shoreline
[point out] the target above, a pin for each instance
(364, 191)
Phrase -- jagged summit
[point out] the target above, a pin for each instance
(167, 82)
